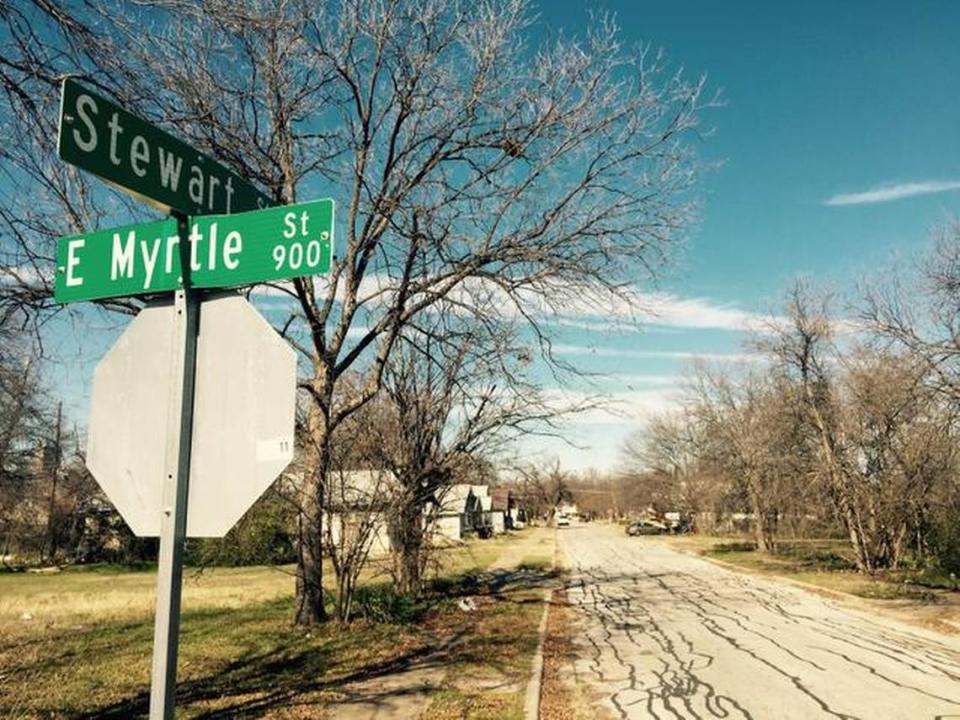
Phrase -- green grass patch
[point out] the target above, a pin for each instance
(78, 643)
(825, 563)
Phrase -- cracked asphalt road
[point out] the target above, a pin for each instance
(668, 635)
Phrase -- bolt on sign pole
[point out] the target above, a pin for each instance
(173, 522)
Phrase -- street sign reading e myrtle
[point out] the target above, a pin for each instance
(144, 447)
(225, 250)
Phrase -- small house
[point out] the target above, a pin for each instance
(500, 510)
(356, 508)
(454, 511)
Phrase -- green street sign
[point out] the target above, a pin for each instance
(225, 250)
(98, 136)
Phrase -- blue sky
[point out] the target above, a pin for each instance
(823, 100)
(840, 150)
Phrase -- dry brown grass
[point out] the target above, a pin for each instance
(77, 643)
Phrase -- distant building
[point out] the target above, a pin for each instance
(456, 510)
(357, 503)
(502, 510)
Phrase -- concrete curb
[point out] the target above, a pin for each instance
(531, 703)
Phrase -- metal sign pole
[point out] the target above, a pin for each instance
(173, 524)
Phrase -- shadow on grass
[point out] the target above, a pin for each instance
(250, 662)
(256, 684)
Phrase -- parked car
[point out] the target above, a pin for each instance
(646, 527)
(563, 521)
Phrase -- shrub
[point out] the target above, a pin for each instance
(383, 604)
(264, 536)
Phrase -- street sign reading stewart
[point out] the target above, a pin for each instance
(102, 138)
(225, 250)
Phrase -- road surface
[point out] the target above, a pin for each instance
(668, 635)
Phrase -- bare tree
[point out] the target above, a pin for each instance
(460, 397)
(752, 428)
(879, 438)
(543, 487)
(356, 506)
(920, 313)
(903, 442)
(470, 164)
(669, 457)
(913, 315)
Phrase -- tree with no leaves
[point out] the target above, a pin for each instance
(921, 314)
(459, 397)
(471, 163)
(755, 439)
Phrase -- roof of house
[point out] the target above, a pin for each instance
(454, 500)
(359, 488)
(501, 498)
(486, 503)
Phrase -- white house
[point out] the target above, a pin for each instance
(500, 510)
(455, 507)
(356, 504)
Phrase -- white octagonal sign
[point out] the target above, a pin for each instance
(243, 415)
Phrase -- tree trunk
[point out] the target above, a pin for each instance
(862, 555)
(53, 530)
(770, 528)
(840, 489)
(309, 594)
(764, 524)
(309, 608)
(346, 585)
(409, 537)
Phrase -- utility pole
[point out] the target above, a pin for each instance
(53, 468)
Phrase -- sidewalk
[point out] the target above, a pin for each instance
(483, 664)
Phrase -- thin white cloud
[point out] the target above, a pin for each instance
(890, 192)
(633, 310)
(564, 349)
(645, 379)
(673, 311)
(625, 311)
(620, 407)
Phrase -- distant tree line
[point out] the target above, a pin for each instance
(844, 427)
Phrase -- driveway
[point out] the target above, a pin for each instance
(668, 635)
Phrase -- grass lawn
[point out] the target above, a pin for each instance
(77, 643)
(828, 564)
